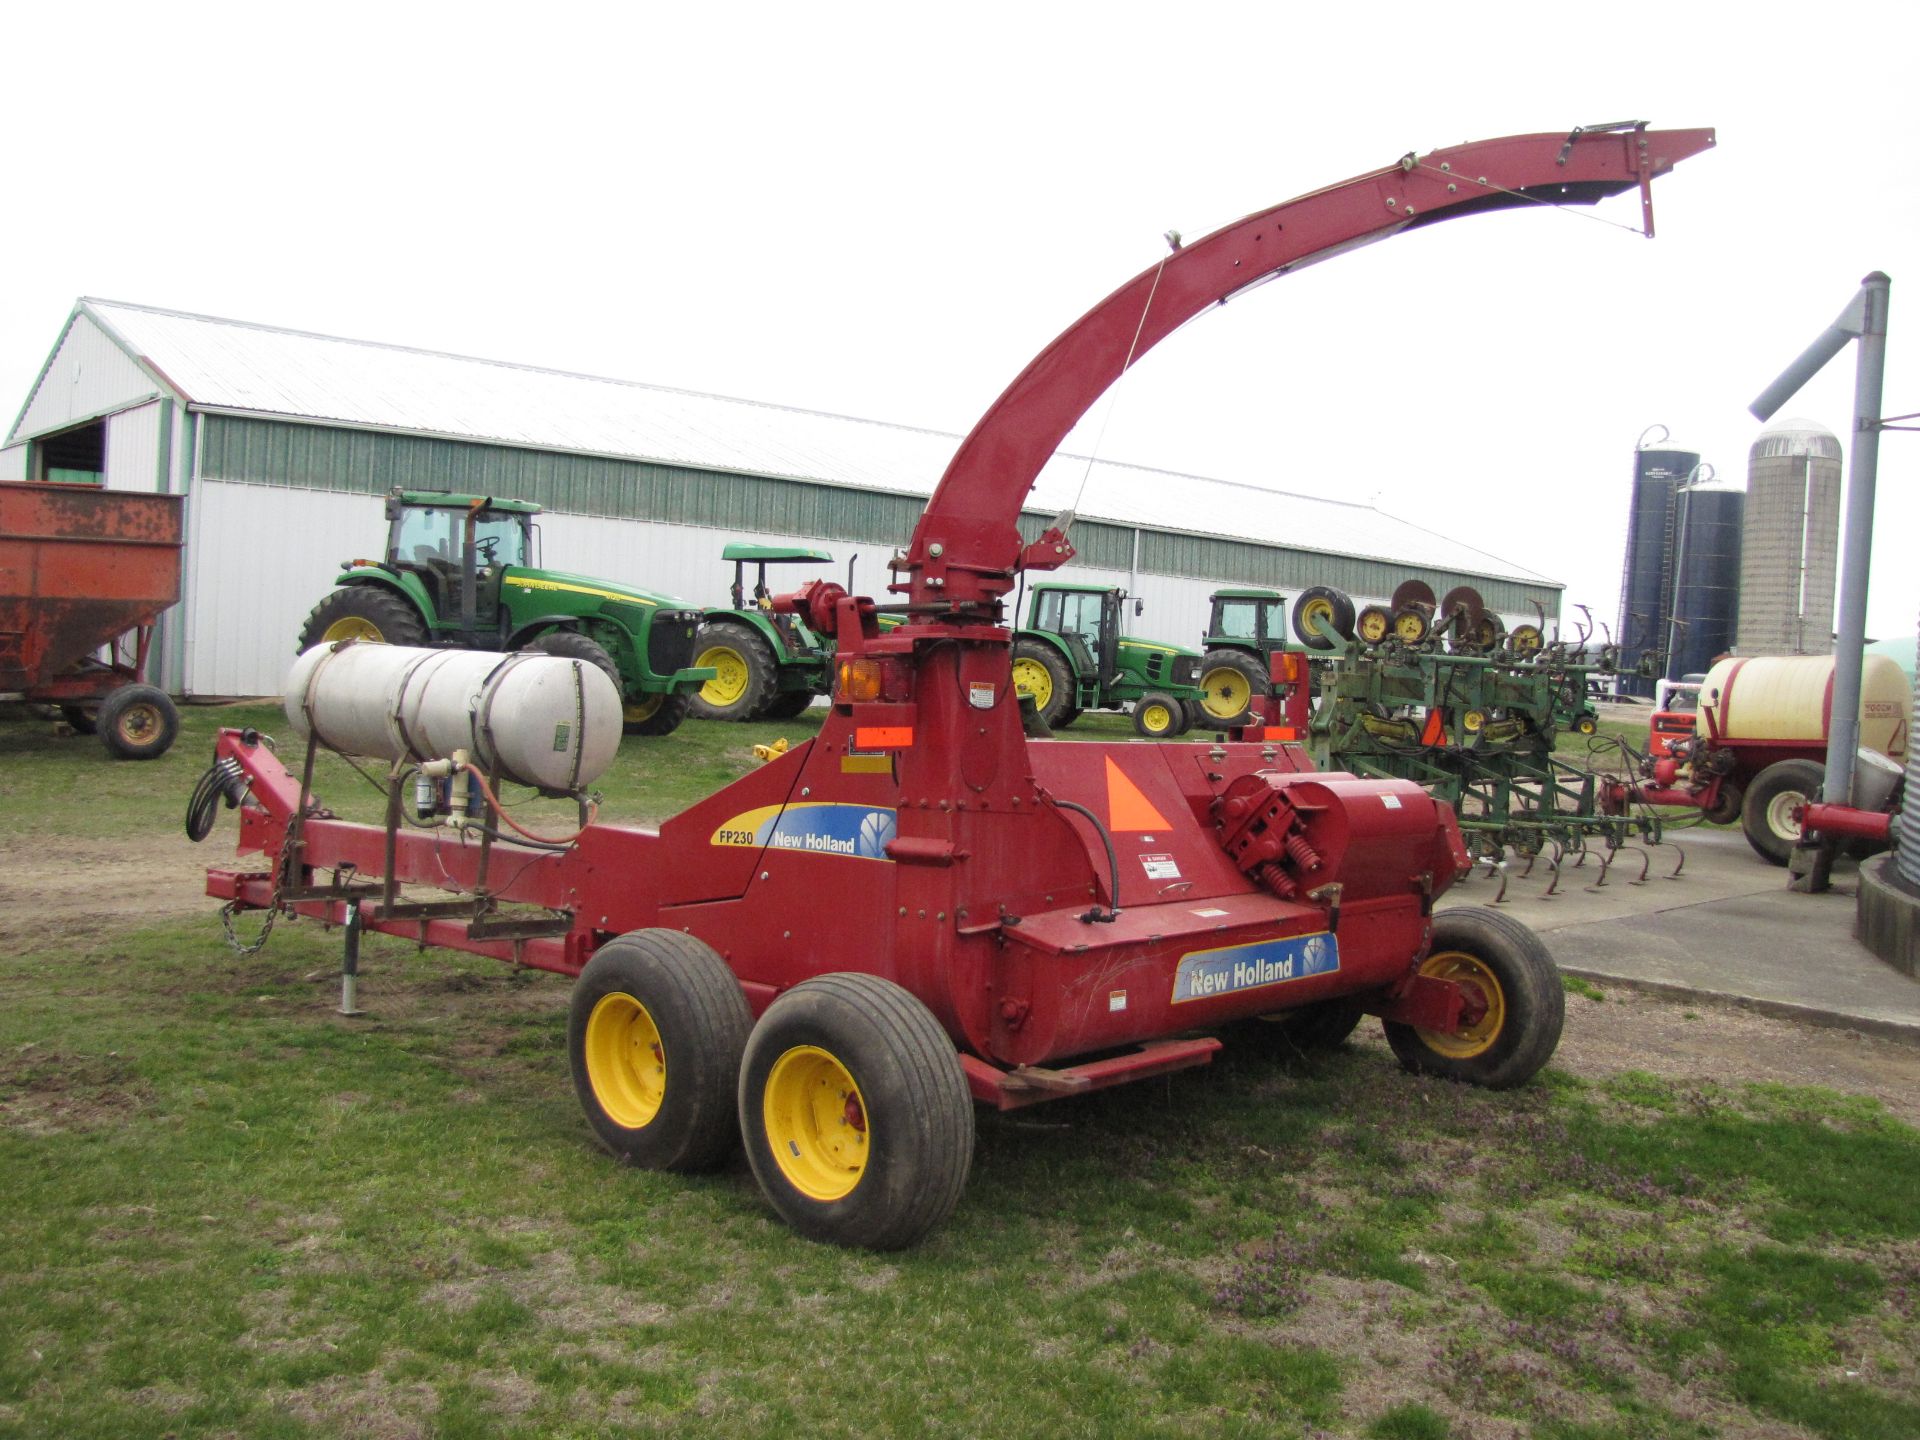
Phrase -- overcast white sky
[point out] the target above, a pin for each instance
(884, 210)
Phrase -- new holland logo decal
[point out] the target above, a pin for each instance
(1207, 974)
(861, 831)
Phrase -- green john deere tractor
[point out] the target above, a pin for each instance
(762, 663)
(1072, 657)
(458, 573)
(1246, 624)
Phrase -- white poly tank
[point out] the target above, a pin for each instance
(543, 720)
(1787, 697)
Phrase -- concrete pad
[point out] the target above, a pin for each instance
(1726, 930)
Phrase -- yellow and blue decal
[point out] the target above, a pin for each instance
(822, 828)
(1208, 974)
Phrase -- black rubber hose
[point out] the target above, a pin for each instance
(1113, 860)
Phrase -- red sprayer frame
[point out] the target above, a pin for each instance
(1046, 900)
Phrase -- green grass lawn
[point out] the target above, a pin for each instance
(231, 1211)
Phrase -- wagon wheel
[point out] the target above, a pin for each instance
(855, 1112)
(138, 722)
(655, 1031)
(1517, 986)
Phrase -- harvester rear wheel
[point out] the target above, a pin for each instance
(138, 722)
(855, 1112)
(1323, 1025)
(655, 1032)
(745, 672)
(1230, 680)
(1322, 617)
(363, 612)
(1159, 717)
(1766, 815)
(1039, 671)
(1506, 964)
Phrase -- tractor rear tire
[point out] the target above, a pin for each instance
(138, 722)
(572, 645)
(655, 1032)
(1526, 1006)
(1040, 671)
(1320, 608)
(855, 1112)
(1766, 815)
(1230, 679)
(788, 705)
(1158, 716)
(656, 714)
(747, 677)
(363, 612)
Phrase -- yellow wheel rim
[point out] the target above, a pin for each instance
(138, 723)
(1410, 626)
(1374, 625)
(626, 1064)
(1030, 677)
(352, 627)
(1156, 719)
(1468, 971)
(730, 683)
(644, 709)
(816, 1122)
(1227, 693)
(1472, 721)
(1585, 725)
(1526, 637)
(1317, 618)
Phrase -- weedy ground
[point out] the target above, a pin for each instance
(231, 1211)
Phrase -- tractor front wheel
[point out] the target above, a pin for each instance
(855, 1112)
(655, 1032)
(1766, 814)
(571, 645)
(1506, 967)
(745, 675)
(363, 612)
(1158, 717)
(656, 714)
(137, 722)
(1230, 680)
(1039, 671)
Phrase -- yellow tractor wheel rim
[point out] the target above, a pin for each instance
(643, 709)
(352, 627)
(1030, 677)
(1585, 725)
(1373, 626)
(731, 682)
(1156, 719)
(816, 1121)
(1227, 693)
(1410, 627)
(1471, 972)
(1318, 617)
(626, 1064)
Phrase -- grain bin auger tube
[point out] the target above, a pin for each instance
(921, 906)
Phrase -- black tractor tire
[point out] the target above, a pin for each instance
(655, 1031)
(81, 720)
(1766, 812)
(1327, 606)
(572, 645)
(363, 612)
(1058, 697)
(1322, 1025)
(1158, 716)
(1231, 680)
(748, 679)
(1526, 1006)
(855, 1112)
(657, 714)
(138, 722)
(1067, 719)
(788, 704)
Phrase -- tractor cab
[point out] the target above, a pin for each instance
(444, 539)
(1088, 625)
(1248, 618)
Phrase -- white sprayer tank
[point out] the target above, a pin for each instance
(1788, 697)
(542, 720)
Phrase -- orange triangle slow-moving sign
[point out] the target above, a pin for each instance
(1127, 808)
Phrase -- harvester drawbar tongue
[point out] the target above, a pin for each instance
(834, 957)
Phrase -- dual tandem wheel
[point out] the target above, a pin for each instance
(849, 1096)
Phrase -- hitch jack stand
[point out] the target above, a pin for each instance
(350, 962)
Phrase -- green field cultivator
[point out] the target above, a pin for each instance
(1443, 694)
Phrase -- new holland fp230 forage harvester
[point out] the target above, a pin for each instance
(833, 956)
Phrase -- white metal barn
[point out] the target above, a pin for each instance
(284, 443)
